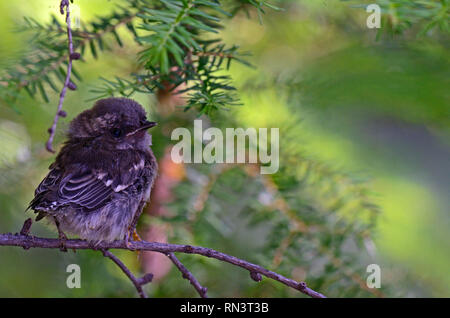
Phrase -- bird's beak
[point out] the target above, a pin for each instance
(146, 125)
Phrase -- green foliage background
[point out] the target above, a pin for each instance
(364, 148)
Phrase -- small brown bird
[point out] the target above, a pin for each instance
(103, 175)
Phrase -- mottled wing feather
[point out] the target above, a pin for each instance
(52, 179)
(88, 190)
(45, 192)
(85, 190)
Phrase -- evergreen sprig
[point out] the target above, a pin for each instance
(43, 64)
(177, 49)
(312, 218)
(174, 31)
(423, 16)
(401, 15)
(247, 5)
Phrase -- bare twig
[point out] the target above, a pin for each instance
(85, 38)
(137, 282)
(37, 242)
(202, 291)
(67, 82)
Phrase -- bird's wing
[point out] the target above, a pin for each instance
(85, 189)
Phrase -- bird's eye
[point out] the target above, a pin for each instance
(116, 132)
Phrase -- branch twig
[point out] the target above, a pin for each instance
(137, 282)
(255, 271)
(202, 291)
(67, 82)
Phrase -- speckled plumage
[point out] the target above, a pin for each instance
(99, 182)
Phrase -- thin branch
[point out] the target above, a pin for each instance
(255, 270)
(137, 282)
(67, 83)
(202, 291)
(89, 36)
(71, 56)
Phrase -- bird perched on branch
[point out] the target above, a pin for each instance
(103, 175)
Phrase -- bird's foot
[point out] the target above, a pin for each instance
(127, 240)
(62, 241)
(135, 237)
(61, 236)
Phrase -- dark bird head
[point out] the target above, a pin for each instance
(118, 122)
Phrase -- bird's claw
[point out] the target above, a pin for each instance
(135, 237)
(62, 241)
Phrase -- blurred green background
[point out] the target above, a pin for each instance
(376, 109)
